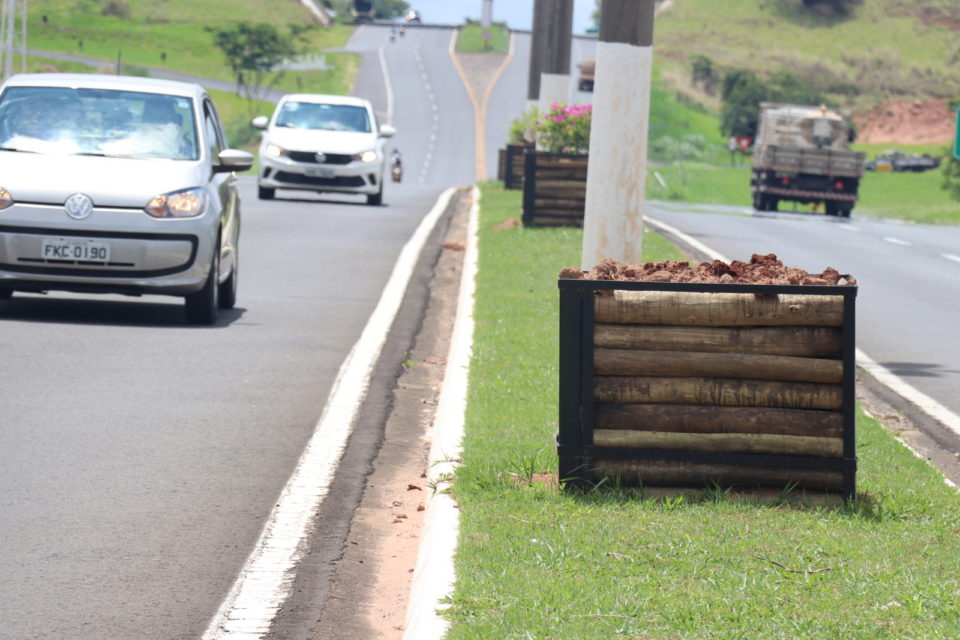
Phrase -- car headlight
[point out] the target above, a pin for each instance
(187, 203)
(366, 156)
(274, 151)
(6, 199)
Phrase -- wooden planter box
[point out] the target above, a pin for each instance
(669, 384)
(513, 166)
(554, 189)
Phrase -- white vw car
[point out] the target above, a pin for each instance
(112, 184)
(322, 143)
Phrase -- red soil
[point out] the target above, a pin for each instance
(907, 122)
(762, 269)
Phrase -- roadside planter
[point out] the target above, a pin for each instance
(513, 166)
(554, 189)
(696, 384)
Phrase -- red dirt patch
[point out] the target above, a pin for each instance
(907, 122)
(762, 269)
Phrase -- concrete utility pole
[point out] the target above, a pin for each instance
(9, 35)
(486, 19)
(555, 64)
(616, 176)
(536, 52)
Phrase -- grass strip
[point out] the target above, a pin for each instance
(535, 562)
(471, 39)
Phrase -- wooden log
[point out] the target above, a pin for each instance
(718, 309)
(559, 203)
(718, 391)
(669, 473)
(636, 362)
(725, 442)
(810, 342)
(714, 419)
(557, 221)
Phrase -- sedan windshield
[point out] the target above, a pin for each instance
(70, 121)
(332, 117)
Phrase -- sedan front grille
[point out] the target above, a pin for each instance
(311, 157)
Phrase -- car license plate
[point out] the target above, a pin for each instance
(320, 172)
(75, 250)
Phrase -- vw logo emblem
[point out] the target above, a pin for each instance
(321, 157)
(78, 206)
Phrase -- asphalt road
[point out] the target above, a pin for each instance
(139, 455)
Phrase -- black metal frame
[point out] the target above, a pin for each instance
(575, 435)
(514, 153)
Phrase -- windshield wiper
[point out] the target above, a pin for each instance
(14, 149)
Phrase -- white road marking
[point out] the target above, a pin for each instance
(950, 256)
(848, 227)
(883, 375)
(897, 241)
(267, 576)
(433, 575)
(389, 85)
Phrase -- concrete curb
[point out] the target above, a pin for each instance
(433, 576)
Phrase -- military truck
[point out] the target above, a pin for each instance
(801, 155)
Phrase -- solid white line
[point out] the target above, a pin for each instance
(388, 84)
(433, 576)
(267, 576)
(950, 256)
(898, 241)
(883, 375)
(926, 404)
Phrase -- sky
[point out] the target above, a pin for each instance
(518, 14)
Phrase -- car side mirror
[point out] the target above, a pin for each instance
(233, 160)
(387, 131)
(260, 122)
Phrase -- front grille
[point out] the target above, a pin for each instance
(311, 157)
(340, 181)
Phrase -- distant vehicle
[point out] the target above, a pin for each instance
(363, 11)
(587, 69)
(801, 155)
(896, 160)
(412, 17)
(322, 143)
(115, 184)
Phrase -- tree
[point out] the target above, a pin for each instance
(951, 171)
(387, 9)
(742, 92)
(704, 73)
(254, 50)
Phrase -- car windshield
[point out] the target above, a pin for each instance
(331, 117)
(71, 121)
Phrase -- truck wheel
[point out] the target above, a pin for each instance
(772, 204)
(831, 208)
(845, 211)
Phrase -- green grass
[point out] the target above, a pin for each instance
(884, 50)
(534, 562)
(471, 39)
(172, 35)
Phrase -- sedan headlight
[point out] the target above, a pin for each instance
(188, 203)
(366, 156)
(6, 199)
(274, 151)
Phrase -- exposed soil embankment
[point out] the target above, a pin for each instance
(907, 122)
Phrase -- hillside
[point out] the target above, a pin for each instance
(891, 63)
(170, 34)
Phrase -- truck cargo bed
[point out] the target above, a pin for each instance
(823, 162)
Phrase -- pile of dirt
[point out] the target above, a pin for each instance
(907, 122)
(762, 269)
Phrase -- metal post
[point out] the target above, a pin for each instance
(616, 176)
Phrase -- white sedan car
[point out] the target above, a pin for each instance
(112, 184)
(322, 143)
